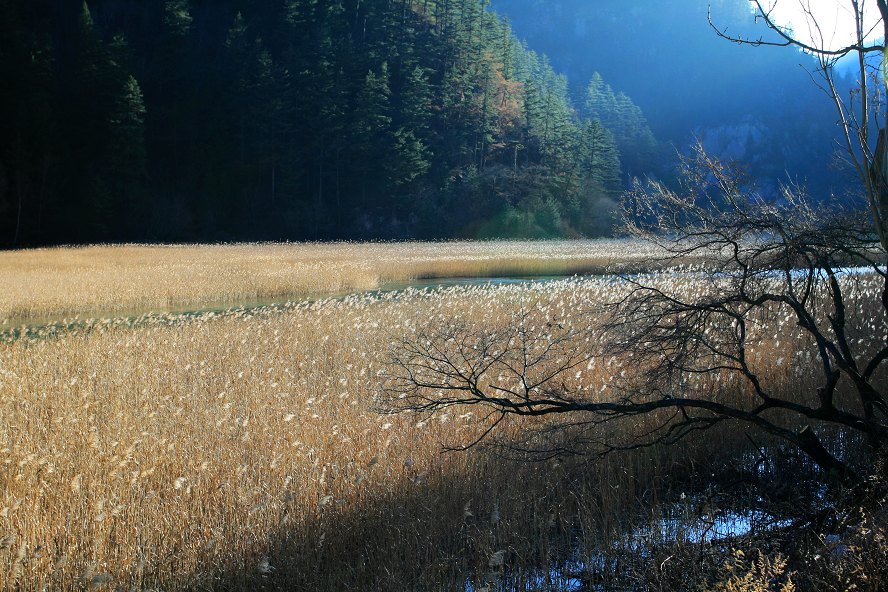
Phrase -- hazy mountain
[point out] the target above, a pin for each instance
(688, 81)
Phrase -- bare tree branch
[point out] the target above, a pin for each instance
(751, 280)
(862, 114)
(788, 40)
(689, 341)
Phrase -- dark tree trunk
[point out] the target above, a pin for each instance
(879, 179)
(812, 446)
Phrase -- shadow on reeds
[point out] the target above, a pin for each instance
(510, 526)
(551, 526)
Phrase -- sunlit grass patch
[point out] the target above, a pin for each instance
(133, 279)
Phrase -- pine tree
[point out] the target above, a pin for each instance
(409, 159)
(127, 144)
(255, 100)
(534, 118)
(88, 118)
(372, 120)
(600, 101)
(171, 79)
(600, 159)
(634, 137)
(372, 107)
(125, 162)
(177, 17)
(625, 120)
(416, 100)
(299, 14)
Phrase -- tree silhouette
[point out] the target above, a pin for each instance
(696, 345)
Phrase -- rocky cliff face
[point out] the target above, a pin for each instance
(748, 140)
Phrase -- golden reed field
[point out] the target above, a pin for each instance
(243, 450)
(103, 280)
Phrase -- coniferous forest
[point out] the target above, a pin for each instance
(191, 120)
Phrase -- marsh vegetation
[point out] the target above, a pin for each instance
(98, 281)
(246, 450)
(700, 407)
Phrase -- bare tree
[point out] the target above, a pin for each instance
(746, 272)
(863, 113)
(817, 269)
(753, 280)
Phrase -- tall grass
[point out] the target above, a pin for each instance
(238, 451)
(103, 280)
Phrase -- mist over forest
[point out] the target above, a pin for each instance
(189, 120)
(759, 105)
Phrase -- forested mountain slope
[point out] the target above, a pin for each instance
(760, 106)
(195, 120)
